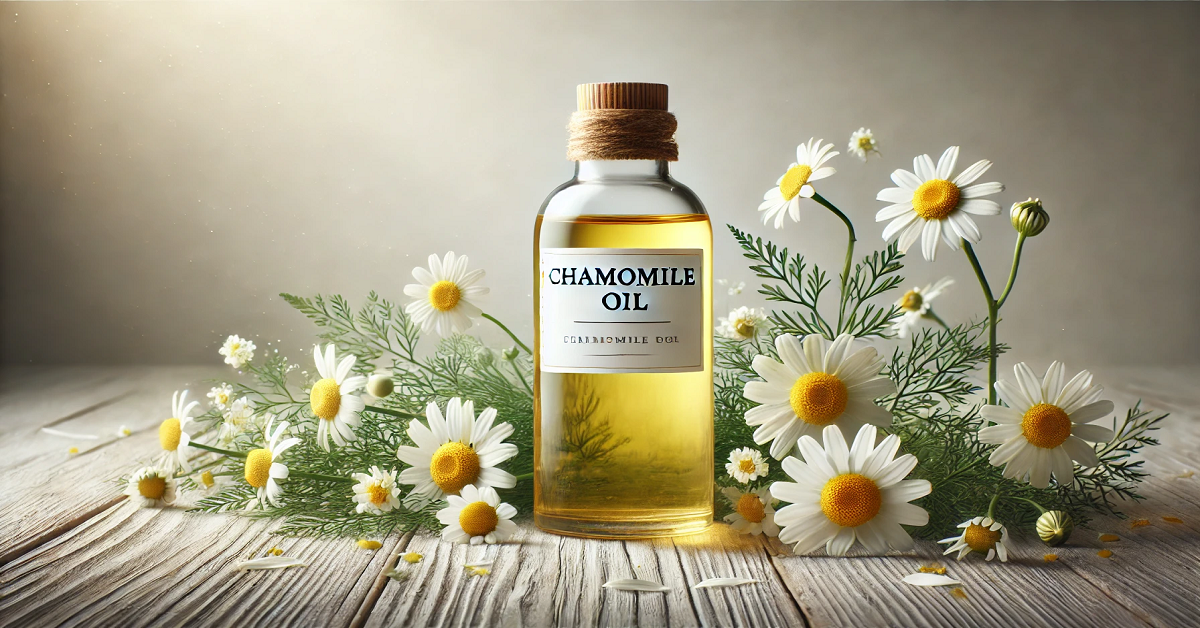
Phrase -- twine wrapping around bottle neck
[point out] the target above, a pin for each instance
(611, 134)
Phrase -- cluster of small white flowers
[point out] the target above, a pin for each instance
(237, 351)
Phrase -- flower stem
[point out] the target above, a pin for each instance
(1041, 510)
(516, 369)
(389, 411)
(993, 318)
(1012, 274)
(992, 507)
(507, 331)
(525, 476)
(218, 450)
(937, 318)
(850, 240)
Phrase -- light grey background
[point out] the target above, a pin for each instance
(167, 168)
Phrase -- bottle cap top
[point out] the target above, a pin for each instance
(622, 96)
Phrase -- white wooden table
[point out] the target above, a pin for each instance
(74, 552)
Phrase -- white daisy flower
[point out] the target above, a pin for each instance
(444, 295)
(237, 351)
(841, 495)
(476, 516)
(742, 323)
(915, 306)
(239, 414)
(981, 534)
(930, 204)
(746, 465)
(152, 486)
(375, 492)
(332, 398)
(457, 451)
(795, 184)
(862, 143)
(818, 384)
(262, 470)
(219, 397)
(1046, 425)
(753, 511)
(173, 436)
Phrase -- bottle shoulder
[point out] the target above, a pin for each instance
(659, 196)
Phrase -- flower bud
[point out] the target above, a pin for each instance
(511, 354)
(1028, 217)
(380, 385)
(1054, 527)
(485, 357)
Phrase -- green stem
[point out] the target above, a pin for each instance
(507, 331)
(937, 318)
(992, 507)
(993, 318)
(1041, 510)
(218, 450)
(516, 369)
(1012, 274)
(850, 240)
(525, 476)
(389, 411)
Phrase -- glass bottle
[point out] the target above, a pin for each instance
(623, 398)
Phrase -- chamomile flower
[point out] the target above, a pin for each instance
(742, 323)
(818, 384)
(914, 306)
(476, 516)
(375, 492)
(931, 205)
(983, 535)
(152, 486)
(456, 451)
(221, 396)
(444, 297)
(842, 495)
(173, 436)
(746, 465)
(784, 199)
(1046, 425)
(237, 351)
(262, 468)
(239, 414)
(332, 398)
(753, 511)
(862, 143)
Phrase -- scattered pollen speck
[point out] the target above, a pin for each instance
(275, 551)
(368, 544)
(1104, 553)
(933, 569)
(1137, 523)
(958, 593)
(1172, 519)
(73, 450)
(1186, 474)
(1050, 558)
(412, 558)
(1109, 538)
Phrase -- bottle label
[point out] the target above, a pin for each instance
(621, 310)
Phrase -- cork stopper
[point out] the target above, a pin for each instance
(622, 96)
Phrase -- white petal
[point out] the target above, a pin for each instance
(973, 172)
(1092, 433)
(930, 580)
(1092, 412)
(635, 584)
(929, 239)
(270, 562)
(924, 168)
(979, 207)
(723, 582)
(895, 195)
(947, 162)
(981, 189)
(906, 180)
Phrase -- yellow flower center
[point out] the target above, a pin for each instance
(454, 465)
(207, 480)
(234, 347)
(751, 508)
(377, 494)
(169, 434)
(935, 199)
(326, 399)
(980, 539)
(444, 295)
(744, 327)
(851, 500)
(865, 142)
(478, 519)
(819, 398)
(793, 180)
(746, 465)
(258, 467)
(912, 301)
(152, 487)
(1046, 425)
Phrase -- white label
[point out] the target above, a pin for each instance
(621, 310)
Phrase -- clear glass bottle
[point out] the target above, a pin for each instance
(623, 401)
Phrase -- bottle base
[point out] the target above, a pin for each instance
(623, 529)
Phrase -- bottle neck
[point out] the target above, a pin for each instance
(621, 169)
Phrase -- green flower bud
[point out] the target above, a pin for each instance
(1028, 217)
(485, 357)
(380, 385)
(511, 354)
(1054, 527)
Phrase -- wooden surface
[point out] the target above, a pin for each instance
(74, 552)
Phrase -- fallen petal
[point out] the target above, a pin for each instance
(723, 582)
(53, 432)
(635, 584)
(930, 580)
(270, 562)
